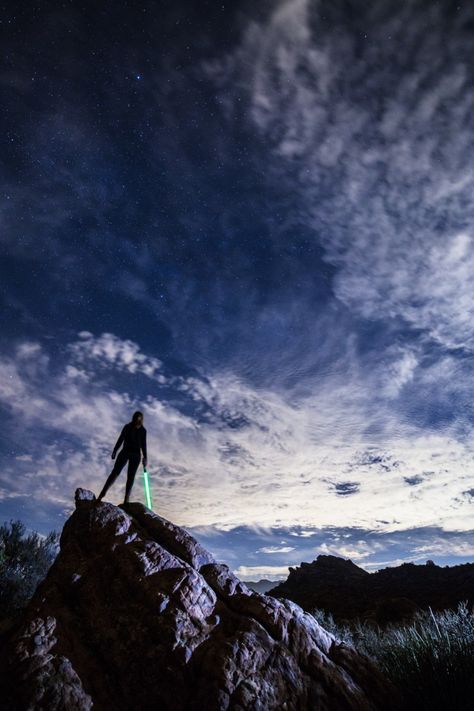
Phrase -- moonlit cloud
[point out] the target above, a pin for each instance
(346, 117)
(275, 549)
(110, 350)
(257, 572)
(296, 474)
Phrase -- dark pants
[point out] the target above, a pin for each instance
(122, 458)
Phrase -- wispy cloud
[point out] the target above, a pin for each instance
(109, 350)
(300, 452)
(276, 549)
(257, 572)
(371, 127)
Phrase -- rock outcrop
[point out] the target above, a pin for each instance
(134, 615)
(394, 594)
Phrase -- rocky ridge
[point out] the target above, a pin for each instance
(389, 595)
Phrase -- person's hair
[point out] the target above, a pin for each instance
(136, 415)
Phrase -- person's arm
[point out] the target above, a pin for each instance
(119, 441)
(144, 447)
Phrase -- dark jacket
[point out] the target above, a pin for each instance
(134, 439)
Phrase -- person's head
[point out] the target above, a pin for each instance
(137, 418)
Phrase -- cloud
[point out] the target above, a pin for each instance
(257, 572)
(368, 121)
(276, 549)
(440, 547)
(67, 425)
(401, 363)
(302, 534)
(110, 351)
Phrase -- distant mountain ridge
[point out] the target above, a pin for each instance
(261, 586)
(392, 594)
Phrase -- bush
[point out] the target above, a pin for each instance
(430, 660)
(24, 562)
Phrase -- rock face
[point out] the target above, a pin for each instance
(134, 615)
(339, 586)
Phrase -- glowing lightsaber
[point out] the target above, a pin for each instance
(146, 482)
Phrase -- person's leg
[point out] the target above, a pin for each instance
(133, 463)
(118, 466)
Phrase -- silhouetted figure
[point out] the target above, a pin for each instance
(133, 436)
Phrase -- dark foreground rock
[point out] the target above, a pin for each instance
(134, 615)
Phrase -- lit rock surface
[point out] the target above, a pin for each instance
(135, 615)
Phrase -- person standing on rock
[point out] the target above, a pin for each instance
(133, 436)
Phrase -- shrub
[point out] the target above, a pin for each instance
(431, 660)
(24, 562)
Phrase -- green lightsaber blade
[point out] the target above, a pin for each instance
(146, 482)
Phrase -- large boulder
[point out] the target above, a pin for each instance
(134, 615)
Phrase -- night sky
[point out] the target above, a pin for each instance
(254, 222)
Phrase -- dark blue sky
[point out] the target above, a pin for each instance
(255, 225)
